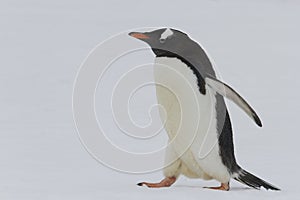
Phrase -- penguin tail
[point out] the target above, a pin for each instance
(249, 179)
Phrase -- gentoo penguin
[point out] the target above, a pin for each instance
(194, 113)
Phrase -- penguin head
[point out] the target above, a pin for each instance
(165, 40)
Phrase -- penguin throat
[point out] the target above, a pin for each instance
(200, 77)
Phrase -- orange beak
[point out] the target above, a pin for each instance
(138, 35)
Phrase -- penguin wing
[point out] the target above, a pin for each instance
(226, 91)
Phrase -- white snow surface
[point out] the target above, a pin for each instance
(255, 45)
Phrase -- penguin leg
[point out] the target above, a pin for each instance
(224, 187)
(166, 182)
(171, 171)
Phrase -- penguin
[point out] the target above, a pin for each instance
(194, 113)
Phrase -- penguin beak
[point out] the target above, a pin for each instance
(138, 35)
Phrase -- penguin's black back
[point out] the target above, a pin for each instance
(225, 141)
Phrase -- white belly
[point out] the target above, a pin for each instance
(189, 119)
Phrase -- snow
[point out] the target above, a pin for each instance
(42, 44)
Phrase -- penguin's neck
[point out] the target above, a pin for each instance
(164, 53)
(168, 54)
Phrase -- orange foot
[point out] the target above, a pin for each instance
(224, 187)
(167, 182)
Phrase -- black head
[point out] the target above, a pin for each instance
(166, 40)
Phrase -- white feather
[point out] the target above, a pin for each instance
(167, 33)
(190, 121)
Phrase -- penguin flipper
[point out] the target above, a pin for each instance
(226, 91)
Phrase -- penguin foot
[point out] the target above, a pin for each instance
(224, 187)
(167, 182)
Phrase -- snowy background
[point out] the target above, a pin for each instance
(42, 44)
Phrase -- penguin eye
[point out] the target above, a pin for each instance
(162, 40)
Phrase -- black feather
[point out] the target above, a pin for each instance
(253, 181)
(256, 119)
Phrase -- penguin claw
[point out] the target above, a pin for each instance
(140, 184)
(223, 187)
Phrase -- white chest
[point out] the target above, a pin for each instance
(184, 108)
(188, 116)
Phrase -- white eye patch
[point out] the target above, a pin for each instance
(167, 33)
